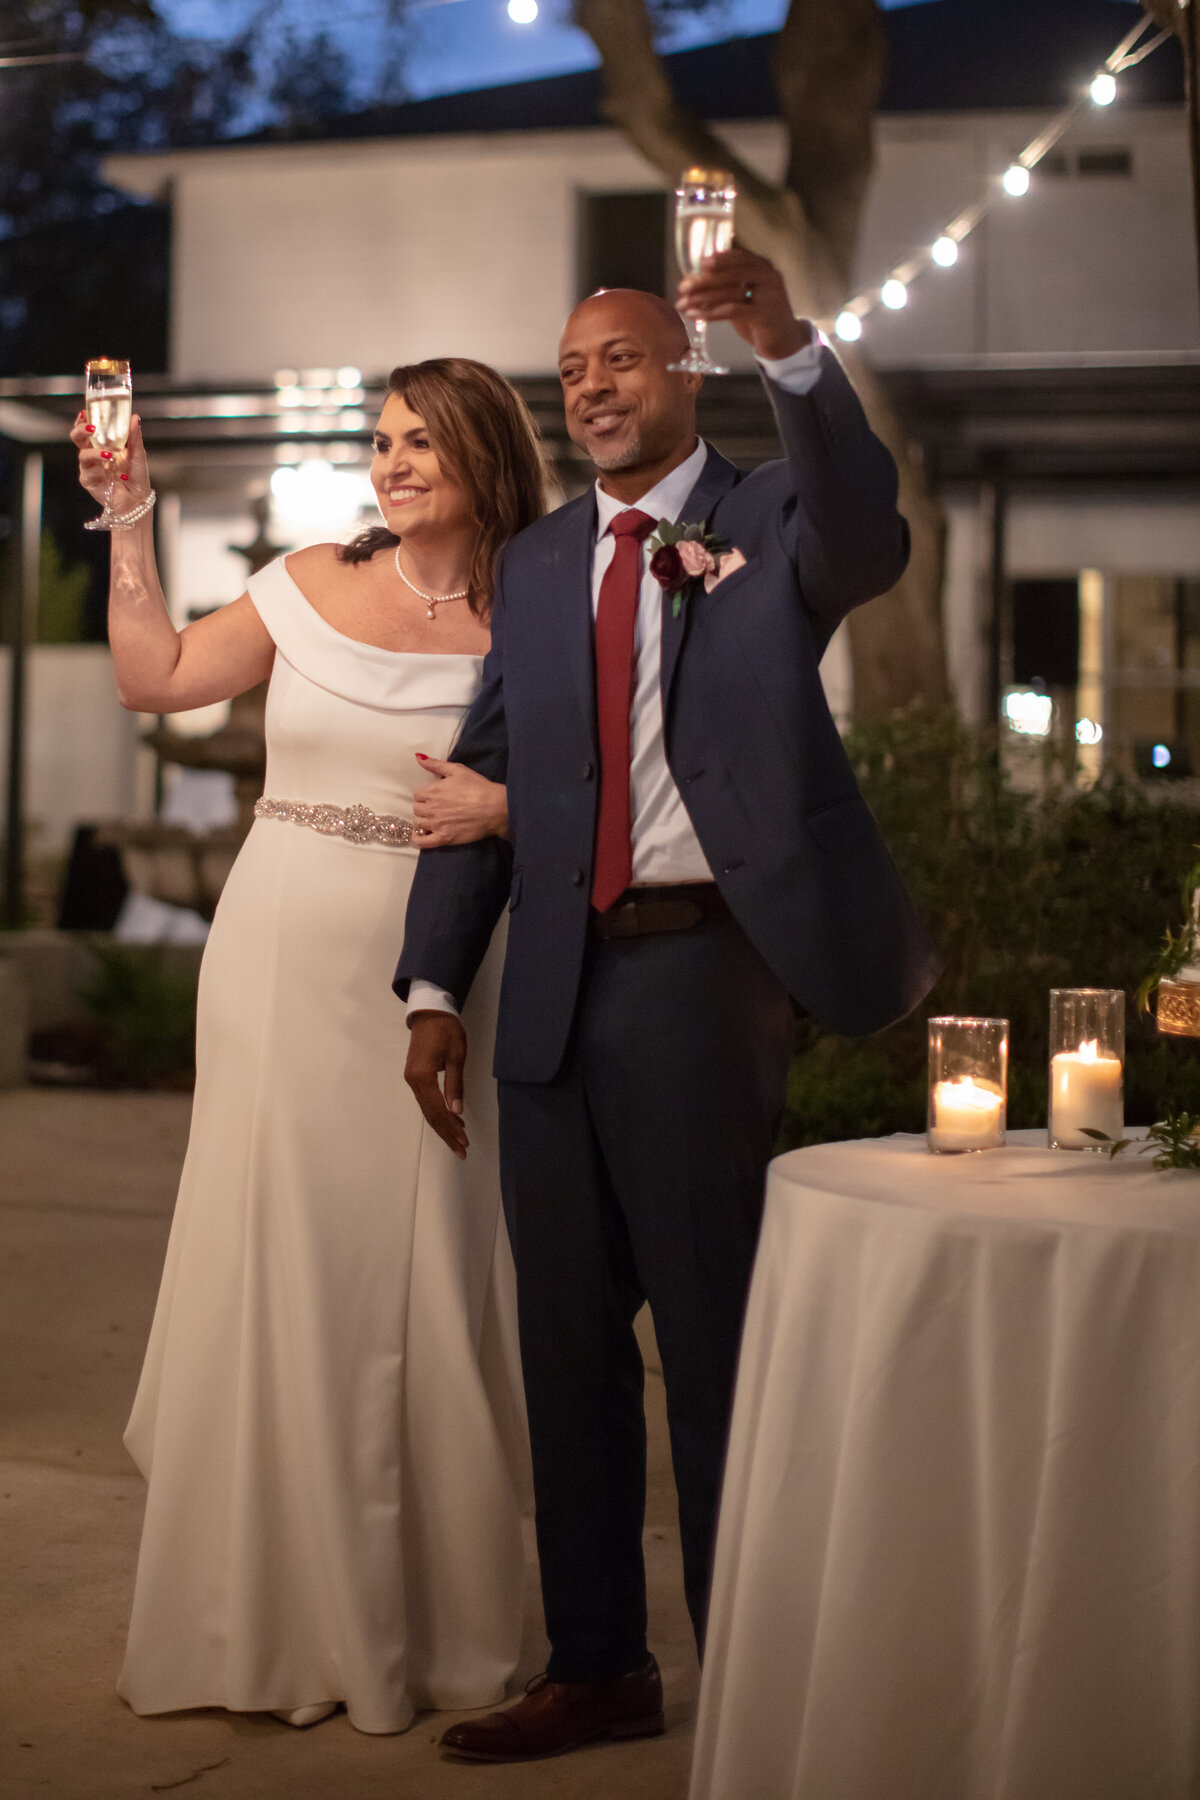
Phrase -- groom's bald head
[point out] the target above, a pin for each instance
(624, 405)
(648, 314)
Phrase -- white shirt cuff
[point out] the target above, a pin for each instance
(423, 996)
(797, 373)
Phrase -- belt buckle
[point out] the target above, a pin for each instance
(624, 921)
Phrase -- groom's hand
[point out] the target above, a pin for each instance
(748, 291)
(438, 1046)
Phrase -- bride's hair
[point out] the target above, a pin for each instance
(485, 438)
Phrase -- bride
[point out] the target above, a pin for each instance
(329, 1417)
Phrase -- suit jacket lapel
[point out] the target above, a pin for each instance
(573, 598)
(716, 479)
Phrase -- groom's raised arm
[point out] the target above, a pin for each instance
(847, 540)
(838, 493)
(460, 890)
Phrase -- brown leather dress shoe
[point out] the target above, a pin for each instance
(554, 1716)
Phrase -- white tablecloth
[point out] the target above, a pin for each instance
(959, 1552)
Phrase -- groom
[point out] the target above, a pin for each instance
(691, 861)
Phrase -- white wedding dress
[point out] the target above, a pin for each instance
(330, 1415)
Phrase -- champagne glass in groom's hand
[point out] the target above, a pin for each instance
(749, 293)
(704, 203)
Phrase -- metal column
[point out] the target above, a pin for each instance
(23, 620)
(994, 509)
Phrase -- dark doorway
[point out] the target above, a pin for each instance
(623, 241)
(1045, 633)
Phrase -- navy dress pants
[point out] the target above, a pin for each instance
(637, 1174)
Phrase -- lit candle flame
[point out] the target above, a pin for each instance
(966, 1091)
(1090, 1051)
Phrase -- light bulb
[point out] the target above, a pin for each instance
(848, 326)
(945, 252)
(1016, 180)
(894, 295)
(522, 12)
(1104, 89)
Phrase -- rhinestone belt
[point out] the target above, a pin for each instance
(357, 824)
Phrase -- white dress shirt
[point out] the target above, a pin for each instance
(665, 847)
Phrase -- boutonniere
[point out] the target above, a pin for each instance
(680, 554)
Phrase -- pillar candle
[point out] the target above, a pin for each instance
(1085, 1089)
(966, 1116)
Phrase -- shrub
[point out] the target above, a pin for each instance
(144, 1002)
(1023, 892)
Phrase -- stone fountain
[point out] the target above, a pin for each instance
(172, 862)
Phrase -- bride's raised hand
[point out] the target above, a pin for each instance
(459, 806)
(96, 467)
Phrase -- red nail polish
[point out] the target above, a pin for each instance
(107, 455)
(88, 428)
(420, 757)
(124, 478)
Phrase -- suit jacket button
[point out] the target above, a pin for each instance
(577, 877)
(588, 771)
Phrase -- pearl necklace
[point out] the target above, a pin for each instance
(432, 601)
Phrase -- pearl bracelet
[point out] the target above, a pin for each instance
(127, 520)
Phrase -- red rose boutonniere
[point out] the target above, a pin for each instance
(681, 554)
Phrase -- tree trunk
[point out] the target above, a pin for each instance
(1181, 18)
(828, 70)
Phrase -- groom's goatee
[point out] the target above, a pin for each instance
(627, 457)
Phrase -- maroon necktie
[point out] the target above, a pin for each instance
(616, 616)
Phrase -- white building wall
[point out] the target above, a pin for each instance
(397, 249)
(81, 747)
(1118, 535)
(1081, 265)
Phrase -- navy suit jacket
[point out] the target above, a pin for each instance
(749, 739)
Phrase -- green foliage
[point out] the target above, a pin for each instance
(1023, 892)
(62, 590)
(145, 1003)
(1174, 1139)
(1177, 947)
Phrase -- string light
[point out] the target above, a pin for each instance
(1016, 181)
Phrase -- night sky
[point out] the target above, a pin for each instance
(462, 44)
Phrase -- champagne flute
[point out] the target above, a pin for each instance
(704, 203)
(108, 404)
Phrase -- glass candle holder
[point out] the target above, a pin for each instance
(968, 1084)
(1087, 1066)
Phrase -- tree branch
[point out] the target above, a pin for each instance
(1166, 13)
(829, 65)
(639, 99)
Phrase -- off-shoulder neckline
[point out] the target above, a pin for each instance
(377, 649)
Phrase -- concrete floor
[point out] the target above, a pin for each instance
(87, 1183)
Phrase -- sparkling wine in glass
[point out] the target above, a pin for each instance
(108, 405)
(704, 203)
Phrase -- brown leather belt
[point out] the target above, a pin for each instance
(642, 911)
